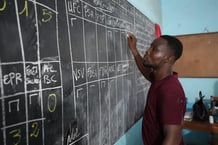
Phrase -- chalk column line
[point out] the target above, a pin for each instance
(24, 70)
(38, 62)
(87, 92)
(99, 92)
(71, 57)
(61, 75)
(3, 106)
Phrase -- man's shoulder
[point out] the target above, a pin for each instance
(171, 82)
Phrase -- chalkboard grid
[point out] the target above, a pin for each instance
(67, 74)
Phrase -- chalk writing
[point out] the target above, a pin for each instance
(104, 6)
(48, 68)
(77, 92)
(32, 74)
(13, 78)
(99, 17)
(72, 20)
(52, 102)
(35, 128)
(119, 68)
(49, 74)
(79, 73)
(2, 8)
(16, 104)
(32, 95)
(112, 68)
(49, 79)
(16, 134)
(103, 84)
(47, 15)
(31, 70)
(103, 70)
(74, 6)
(125, 67)
(25, 9)
(88, 12)
(92, 72)
(73, 135)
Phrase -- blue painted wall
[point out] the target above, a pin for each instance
(189, 16)
(133, 136)
(192, 86)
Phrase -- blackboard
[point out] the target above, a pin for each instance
(67, 75)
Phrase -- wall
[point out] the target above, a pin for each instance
(133, 136)
(195, 16)
(190, 17)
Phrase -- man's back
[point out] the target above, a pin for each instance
(166, 105)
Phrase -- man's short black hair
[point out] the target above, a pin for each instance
(175, 44)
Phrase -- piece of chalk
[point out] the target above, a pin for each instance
(127, 35)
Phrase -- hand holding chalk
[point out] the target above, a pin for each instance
(132, 43)
(131, 40)
(128, 35)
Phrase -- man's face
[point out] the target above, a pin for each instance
(157, 54)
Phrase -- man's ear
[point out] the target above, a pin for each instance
(169, 59)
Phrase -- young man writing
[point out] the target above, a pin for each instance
(166, 102)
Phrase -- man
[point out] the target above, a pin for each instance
(166, 103)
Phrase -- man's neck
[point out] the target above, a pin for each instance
(161, 74)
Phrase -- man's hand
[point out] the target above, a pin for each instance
(132, 43)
